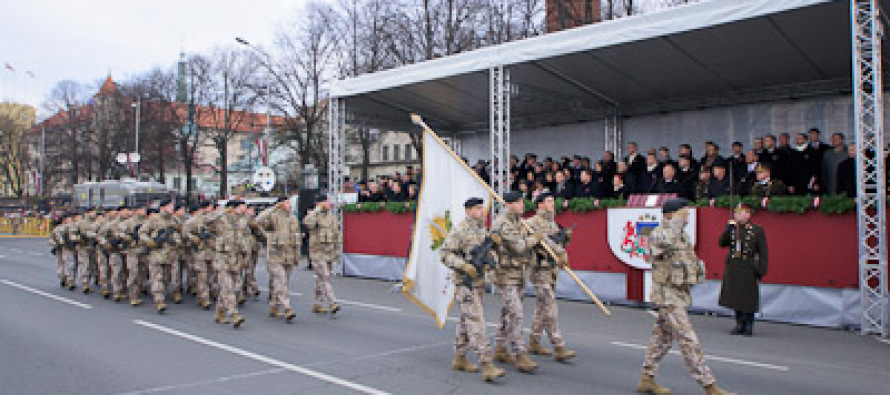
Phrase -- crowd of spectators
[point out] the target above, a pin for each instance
(397, 187)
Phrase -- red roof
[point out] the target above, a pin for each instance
(108, 88)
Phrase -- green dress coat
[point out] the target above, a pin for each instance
(746, 264)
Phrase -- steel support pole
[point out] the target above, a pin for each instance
(337, 117)
(866, 36)
(499, 125)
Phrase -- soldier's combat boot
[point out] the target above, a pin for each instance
(161, 307)
(71, 285)
(562, 353)
(334, 307)
(118, 297)
(176, 297)
(273, 312)
(105, 294)
(460, 363)
(240, 299)
(87, 290)
(491, 372)
(237, 320)
(524, 364)
(289, 315)
(135, 302)
(714, 389)
(502, 355)
(317, 309)
(205, 305)
(62, 282)
(647, 385)
(535, 347)
(220, 318)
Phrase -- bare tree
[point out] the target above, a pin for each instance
(15, 120)
(161, 122)
(67, 100)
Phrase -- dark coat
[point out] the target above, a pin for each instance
(744, 267)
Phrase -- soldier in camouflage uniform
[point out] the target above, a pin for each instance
(63, 249)
(182, 261)
(72, 236)
(106, 248)
(324, 243)
(283, 238)
(228, 245)
(250, 285)
(116, 261)
(470, 332)
(543, 277)
(161, 236)
(197, 231)
(133, 253)
(675, 270)
(515, 247)
(84, 234)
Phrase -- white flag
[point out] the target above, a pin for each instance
(447, 184)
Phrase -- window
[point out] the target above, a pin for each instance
(177, 182)
(245, 144)
(385, 154)
(395, 152)
(408, 152)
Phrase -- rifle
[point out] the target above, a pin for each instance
(134, 234)
(562, 236)
(164, 236)
(480, 257)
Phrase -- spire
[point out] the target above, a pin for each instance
(108, 88)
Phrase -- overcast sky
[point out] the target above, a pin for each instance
(84, 40)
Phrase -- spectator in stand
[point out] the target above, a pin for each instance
(686, 150)
(736, 165)
(669, 182)
(686, 174)
(757, 146)
(636, 163)
(629, 179)
(831, 159)
(703, 185)
(650, 176)
(719, 184)
(785, 142)
(562, 189)
(750, 176)
(800, 174)
(396, 192)
(373, 194)
(601, 177)
(772, 156)
(816, 144)
(549, 181)
(538, 189)
(576, 167)
(846, 173)
(619, 191)
(712, 154)
(588, 187)
(525, 189)
(664, 158)
(412, 192)
(766, 186)
(609, 166)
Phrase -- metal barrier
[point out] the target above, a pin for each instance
(27, 226)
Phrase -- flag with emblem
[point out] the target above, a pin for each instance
(447, 182)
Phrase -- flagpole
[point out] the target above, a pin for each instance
(418, 120)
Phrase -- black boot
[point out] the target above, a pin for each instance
(739, 323)
(749, 325)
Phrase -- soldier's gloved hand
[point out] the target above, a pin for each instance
(151, 244)
(563, 260)
(496, 238)
(470, 270)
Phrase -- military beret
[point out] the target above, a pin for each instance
(673, 205)
(473, 202)
(205, 204)
(281, 199)
(742, 206)
(512, 196)
(540, 199)
(165, 202)
(152, 210)
(321, 198)
(234, 203)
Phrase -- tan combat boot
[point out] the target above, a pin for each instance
(317, 309)
(274, 313)
(105, 294)
(713, 389)
(220, 318)
(161, 307)
(502, 355)
(524, 364)
(491, 372)
(289, 315)
(176, 297)
(460, 363)
(240, 299)
(71, 285)
(205, 305)
(334, 308)
(562, 353)
(647, 385)
(118, 297)
(135, 302)
(535, 347)
(87, 290)
(237, 320)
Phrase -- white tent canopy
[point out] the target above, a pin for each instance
(681, 58)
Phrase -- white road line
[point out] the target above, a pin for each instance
(217, 380)
(716, 358)
(46, 294)
(370, 306)
(263, 359)
(266, 290)
(36, 253)
(2, 256)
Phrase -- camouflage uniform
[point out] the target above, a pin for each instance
(116, 257)
(253, 243)
(324, 242)
(675, 269)
(84, 234)
(57, 245)
(471, 327)
(283, 238)
(127, 230)
(227, 247)
(106, 251)
(162, 257)
(202, 257)
(514, 254)
(543, 277)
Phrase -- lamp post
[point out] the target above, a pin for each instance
(138, 107)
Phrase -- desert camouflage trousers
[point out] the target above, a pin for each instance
(135, 273)
(117, 269)
(323, 289)
(673, 324)
(279, 280)
(470, 331)
(164, 273)
(509, 333)
(86, 261)
(546, 316)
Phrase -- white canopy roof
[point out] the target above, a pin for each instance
(692, 56)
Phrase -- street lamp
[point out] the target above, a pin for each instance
(138, 107)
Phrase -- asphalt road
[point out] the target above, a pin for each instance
(53, 341)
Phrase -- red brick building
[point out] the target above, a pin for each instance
(566, 14)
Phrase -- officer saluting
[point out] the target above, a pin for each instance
(675, 270)
(745, 266)
(455, 252)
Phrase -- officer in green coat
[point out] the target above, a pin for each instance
(746, 264)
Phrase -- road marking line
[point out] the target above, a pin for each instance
(217, 380)
(370, 306)
(266, 290)
(36, 253)
(263, 359)
(46, 294)
(715, 358)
